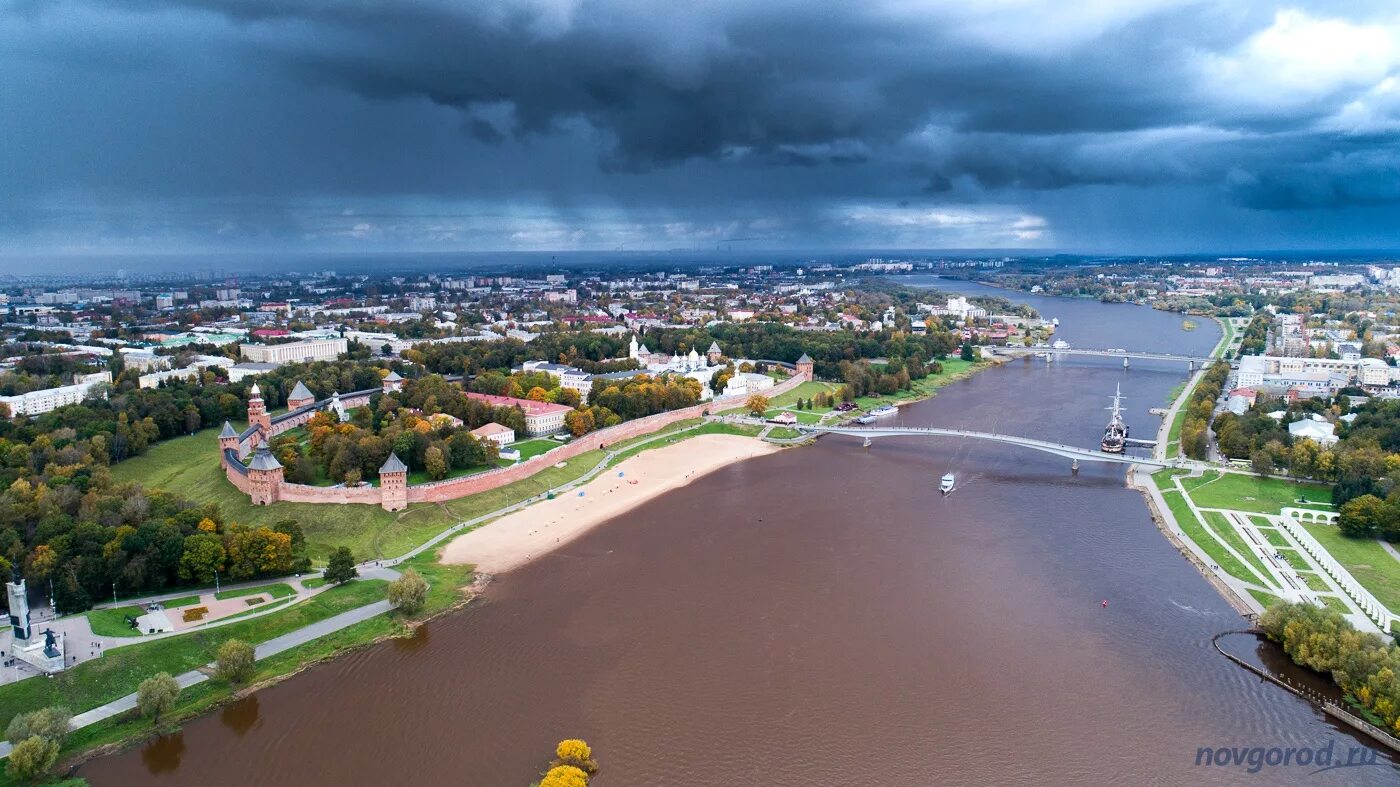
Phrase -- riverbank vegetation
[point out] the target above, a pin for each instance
(1362, 665)
(1195, 440)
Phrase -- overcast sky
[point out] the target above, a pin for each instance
(364, 125)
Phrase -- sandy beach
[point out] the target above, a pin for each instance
(515, 539)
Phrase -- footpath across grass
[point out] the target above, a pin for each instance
(276, 590)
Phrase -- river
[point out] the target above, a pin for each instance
(821, 616)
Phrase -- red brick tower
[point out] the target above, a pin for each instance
(228, 438)
(265, 473)
(257, 412)
(805, 366)
(393, 484)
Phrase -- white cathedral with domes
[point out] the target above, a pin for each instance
(693, 364)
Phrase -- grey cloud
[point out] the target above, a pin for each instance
(256, 120)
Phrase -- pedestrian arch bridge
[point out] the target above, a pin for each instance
(1193, 360)
(1058, 449)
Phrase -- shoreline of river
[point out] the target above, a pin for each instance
(509, 542)
(1161, 517)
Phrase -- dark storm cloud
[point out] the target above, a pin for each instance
(602, 121)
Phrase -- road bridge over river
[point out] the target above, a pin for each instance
(1074, 453)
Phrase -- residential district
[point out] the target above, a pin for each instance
(273, 460)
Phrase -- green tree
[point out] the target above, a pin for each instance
(341, 566)
(435, 463)
(50, 723)
(203, 555)
(1363, 517)
(968, 353)
(156, 695)
(235, 661)
(1262, 462)
(409, 592)
(32, 758)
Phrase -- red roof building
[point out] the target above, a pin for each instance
(540, 417)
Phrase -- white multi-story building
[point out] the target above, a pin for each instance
(567, 376)
(1323, 376)
(747, 384)
(36, 402)
(295, 352)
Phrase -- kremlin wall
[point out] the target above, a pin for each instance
(261, 476)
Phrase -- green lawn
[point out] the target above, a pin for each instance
(1174, 432)
(276, 590)
(742, 430)
(1241, 492)
(112, 622)
(182, 601)
(313, 583)
(807, 390)
(422, 477)
(1194, 530)
(1267, 599)
(1163, 478)
(1376, 569)
(188, 466)
(117, 673)
(1314, 582)
(1275, 537)
(531, 448)
(784, 433)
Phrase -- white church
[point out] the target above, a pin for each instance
(692, 365)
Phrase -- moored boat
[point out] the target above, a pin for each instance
(883, 410)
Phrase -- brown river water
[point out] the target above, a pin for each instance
(822, 616)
